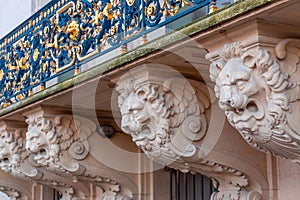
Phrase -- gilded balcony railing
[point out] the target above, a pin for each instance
(66, 33)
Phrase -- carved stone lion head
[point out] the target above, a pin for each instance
(250, 87)
(163, 117)
(42, 140)
(11, 151)
(145, 115)
(48, 137)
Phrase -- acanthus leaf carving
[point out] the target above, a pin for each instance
(260, 93)
(164, 114)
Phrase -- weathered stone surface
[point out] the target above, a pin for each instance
(167, 117)
(259, 93)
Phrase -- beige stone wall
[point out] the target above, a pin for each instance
(288, 180)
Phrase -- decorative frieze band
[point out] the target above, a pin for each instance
(258, 88)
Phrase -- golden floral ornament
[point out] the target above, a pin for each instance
(130, 2)
(73, 30)
(150, 10)
(35, 54)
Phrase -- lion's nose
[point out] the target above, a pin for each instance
(226, 104)
(33, 148)
(226, 101)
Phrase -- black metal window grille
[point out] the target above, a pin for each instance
(187, 186)
(57, 195)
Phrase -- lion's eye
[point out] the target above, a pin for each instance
(141, 93)
(240, 84)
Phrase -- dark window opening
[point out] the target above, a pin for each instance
(188, 186)
(57, 195)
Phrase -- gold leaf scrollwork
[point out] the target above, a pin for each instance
(130, 2)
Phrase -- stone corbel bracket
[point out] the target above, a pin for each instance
(258, 88)
(16, 161)
(59, 143)
(167, 116)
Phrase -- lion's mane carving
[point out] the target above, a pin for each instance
(166, 118)
(54, 140)
(42, 140)
(12, 151)
(154, 114)
(136, 115)
(252, 90)
(48, 138)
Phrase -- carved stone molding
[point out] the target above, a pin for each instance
(58, 143)
(258, 88)
(167, 117)
(13, 194)
(15, 187)
(154, 113)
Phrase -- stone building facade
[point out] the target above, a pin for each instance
(209, 111)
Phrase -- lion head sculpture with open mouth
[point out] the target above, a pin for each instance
(252, 91)
(12, 151)
(42, 141)
(163, 115)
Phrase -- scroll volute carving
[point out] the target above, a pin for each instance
(168, 117)
(259, 92)
(59, 143)
(162, 114)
